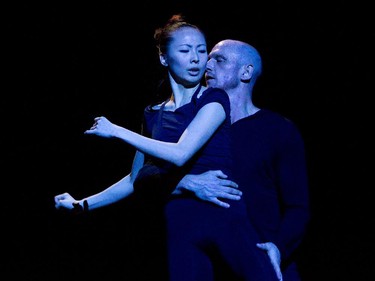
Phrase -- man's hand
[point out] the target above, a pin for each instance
(274, 255)
(210, 186)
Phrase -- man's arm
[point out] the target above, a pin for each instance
(210, 186)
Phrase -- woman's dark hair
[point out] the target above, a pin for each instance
(163, 36)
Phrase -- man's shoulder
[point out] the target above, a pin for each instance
(278, 125)
(277, 117)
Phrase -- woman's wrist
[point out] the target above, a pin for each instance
(80, 206)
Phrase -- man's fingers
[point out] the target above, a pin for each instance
(226, 195)
(272, 253)
(228, 183)
(230, 190)
(276, 267)
(218, 173)
(220, 203)
(263, 246)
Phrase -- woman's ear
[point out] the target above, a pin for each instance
(163, 60)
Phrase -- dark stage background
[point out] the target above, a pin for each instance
(67, 63)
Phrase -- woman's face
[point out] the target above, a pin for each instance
(186, 56)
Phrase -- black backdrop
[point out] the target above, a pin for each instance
(67, 63)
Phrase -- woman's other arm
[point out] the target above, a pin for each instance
(114, 193)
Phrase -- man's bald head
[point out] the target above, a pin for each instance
(243, 53)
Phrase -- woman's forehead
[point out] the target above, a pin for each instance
(188, 35)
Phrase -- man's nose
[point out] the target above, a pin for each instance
(208, 65)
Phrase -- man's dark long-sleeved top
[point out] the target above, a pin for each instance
(270, 168)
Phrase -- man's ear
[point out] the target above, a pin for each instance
(163, 60)
(247, 72)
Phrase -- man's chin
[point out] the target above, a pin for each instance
(210, 83)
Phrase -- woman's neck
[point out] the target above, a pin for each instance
(181, 95)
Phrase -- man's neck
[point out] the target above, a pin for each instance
(241, 108)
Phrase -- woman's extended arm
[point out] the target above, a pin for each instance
(114, 193)
(201, 128)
